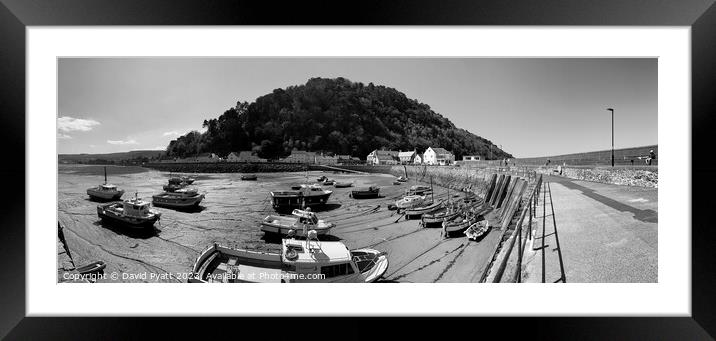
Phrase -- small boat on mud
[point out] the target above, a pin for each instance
(180, 199)
(435, 218)
(410, 201)
(105, 191)
(460, 223)
(249, 177)
(283, 224)
(307, 261)
(402, 179)
(397, 183)
(416, 212)
(365, 193)
(418, 190)
(307, 196)
(174, 183)
(328, 182)
(91, 268)
(322, 178)
(133, 212)
(342, 184)
(477, 230)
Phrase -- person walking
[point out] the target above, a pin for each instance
(651, 157)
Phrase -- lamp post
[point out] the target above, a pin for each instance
(612, 110)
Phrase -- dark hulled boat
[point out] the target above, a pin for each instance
(366, 193)
(416, 212)
(307, 196)
(249, 177)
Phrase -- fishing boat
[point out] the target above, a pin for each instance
(418, 190)
(283, 224)
(365, 193)
(328, 182)
(416, 212)
(342, 184)
(436, 218)
(174, 183)
(188, 180)
(133, 212)
(410, 201)
(307, 260)
(181, 199)
(249, 177)
(460, 223)
(307, 196)
(477, 230)
(105, 191)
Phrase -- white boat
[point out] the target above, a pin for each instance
(477, 230)
(181, 198)
(307, 261)
(410, 201)
(105, 191)
(283, 224)
(133, 212)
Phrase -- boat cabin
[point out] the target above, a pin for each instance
(305, 217)
(135, 207)
(107, 187)
(331, 260)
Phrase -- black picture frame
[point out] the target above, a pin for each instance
(16, 15)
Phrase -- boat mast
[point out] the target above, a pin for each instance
(105, 175)
(432, 198)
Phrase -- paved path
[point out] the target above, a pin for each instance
(607, 233)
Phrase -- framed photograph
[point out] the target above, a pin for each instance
(388, 164)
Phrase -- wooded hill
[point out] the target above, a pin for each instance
(335, 116)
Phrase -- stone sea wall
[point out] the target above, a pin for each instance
(226, 167)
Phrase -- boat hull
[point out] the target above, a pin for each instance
(181, 203)
(342, 185)
(281, 225)
(288, 201)
(365, 194)
(104, 195)
(417, 212)
(437, 219)
(222, 264)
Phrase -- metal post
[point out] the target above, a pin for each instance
(612, 110)
(544, 213)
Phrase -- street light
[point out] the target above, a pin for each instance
(612, 110)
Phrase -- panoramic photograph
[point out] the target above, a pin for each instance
(357, 170)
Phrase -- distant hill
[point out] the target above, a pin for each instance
(333, 116)
(111, 157)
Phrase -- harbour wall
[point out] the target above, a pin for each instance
(226, 167)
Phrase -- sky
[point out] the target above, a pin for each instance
(528, 106)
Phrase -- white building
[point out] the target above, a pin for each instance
(383, 157)
(438, 156)
(472, 158)
(407, 158)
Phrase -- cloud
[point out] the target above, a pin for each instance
(67, 124)
(62, 136)
(170, 133)
(122, 143)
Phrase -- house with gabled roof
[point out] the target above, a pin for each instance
(438, 156)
